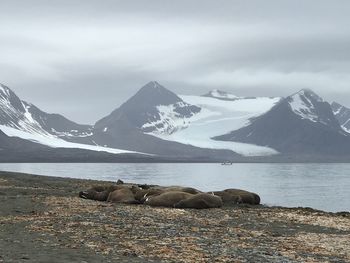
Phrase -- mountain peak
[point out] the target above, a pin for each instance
(308, 93)
(153, 84)
(310, 106)
(152, 109)
(302, 123)
(152, 94)
(219, 94)
(9, 102)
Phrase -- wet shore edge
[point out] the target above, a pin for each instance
(68, 181)
(42, 218)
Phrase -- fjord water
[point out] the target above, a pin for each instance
(320, 186)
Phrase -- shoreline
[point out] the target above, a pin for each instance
(330, 204)
(42, 218)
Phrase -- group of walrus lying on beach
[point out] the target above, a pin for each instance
(171, 196)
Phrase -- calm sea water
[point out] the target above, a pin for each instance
(320, 186)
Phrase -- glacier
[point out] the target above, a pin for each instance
(219, 117)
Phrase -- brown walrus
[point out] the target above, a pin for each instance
(200, 201)
(167, 199)
(99, 193)
(237, 196)
(123, 195)
(142, 194)
(246, 197)
(189, 190)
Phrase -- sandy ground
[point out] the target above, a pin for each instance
(43, 220)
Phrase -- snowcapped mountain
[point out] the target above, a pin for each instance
(342, 114)
(156, 122)
(24, 120)
(152, 109)
(309, 106)
(153, 121)
(222, 95)
(302, 123)
(26, 117)
(15, 113)
(155, 114)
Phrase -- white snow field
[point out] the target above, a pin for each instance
(219, 117)
(54, 142)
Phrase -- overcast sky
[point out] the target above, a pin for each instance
(83, 58)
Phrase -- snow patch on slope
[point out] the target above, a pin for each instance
(170, 120)
(72, 133)
(55, 142)
(303, 106)
(344, 126)
(342, 114)
(28, 124)
(219, 117)
(15, 117)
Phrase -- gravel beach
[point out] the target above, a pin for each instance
(42, 219)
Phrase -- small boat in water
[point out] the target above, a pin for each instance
(226, 163)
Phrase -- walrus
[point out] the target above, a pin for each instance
(237, 196)
(142, 186)
(147, 186)
(189, 190)
(167, 199)
(200, 201)
(99, 193)
(246, 197)
(142, 194)
(122, 195)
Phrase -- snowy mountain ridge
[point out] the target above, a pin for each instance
(24, 120)
(301, 124)
(342, 113)
(217, 125)
(15, 113)
(309, 106)
(302, 103)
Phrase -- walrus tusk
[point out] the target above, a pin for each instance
(145, 195)
(83, 195)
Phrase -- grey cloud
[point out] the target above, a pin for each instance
(84, 58)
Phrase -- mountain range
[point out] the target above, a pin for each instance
(158, 125)
(301, 124)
